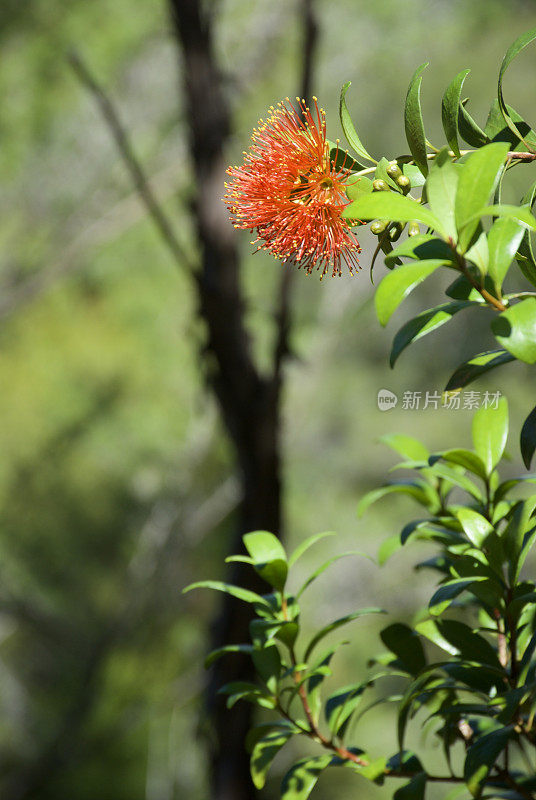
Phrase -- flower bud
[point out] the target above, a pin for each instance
(378, 226)
(404, 182)
(380, 185)
(393, 170)
(413, 228)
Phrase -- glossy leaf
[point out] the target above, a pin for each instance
(477, 366)
(450, 110)
(528, 438)
(515, 330)
(503, 241)
(475, 526)
(396, 286)
(526, 257)
(441, 188)
(406, 446)
(348, 126)
(490, 432)
(422, 324)
(269, 557)
(465, 458)
(421, 248)
(419, 490)
(477, 180)
(443, 597)
(388, 205)
(478, 253)
(341, 705)
(268, 665)
(413, 121)
(470, 645)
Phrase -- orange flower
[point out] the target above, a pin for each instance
(289, 191)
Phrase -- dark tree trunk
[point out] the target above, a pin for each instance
(249, 401)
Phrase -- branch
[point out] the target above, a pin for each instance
(137, 174)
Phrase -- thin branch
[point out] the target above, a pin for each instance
(141, 183)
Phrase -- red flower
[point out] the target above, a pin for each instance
(289, 191)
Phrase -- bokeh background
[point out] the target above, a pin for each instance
(118, 481)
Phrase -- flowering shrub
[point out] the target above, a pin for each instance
(469, 664)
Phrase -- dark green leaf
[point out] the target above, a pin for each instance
(268, 665)
(528, 438)
(341, 158)
(450, 109)
(341, 705)
(223, 651)
(422, 247)
(477, 366)
(526, 257)
(448, 592)
(498, 130)
(413, 121)
(470, 645)
(423, 323)
(406, 645)
(414, 790)
(482, 756)
(515, 329)
(469, 130)
(419, 490)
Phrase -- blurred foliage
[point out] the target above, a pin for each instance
(116, 481)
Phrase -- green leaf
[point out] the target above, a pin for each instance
(341, 158)
(302, 777)
(235, 591)
(475, 526)
(520, 43)
(504, 239)
(388, 205)
(519, 523)
(429, 629)
(382, 174)
(323, 567)
(462, 289)
(406, 645)
(396, 286)
(421, 247)
(419, 490)
(515, 330)
(441, 186)
(267, 663)
(478, 365)
(405, 763)
(388, 548)
(413, 121)
(414, 790)
(490, 432)
(528, 438)
(477, 180)
(465, 458)
(482, 755)
(478, 253)
(497, 129)
(470, 131)
(526, 258)
(357, 186)
(450, 110)
(414, 174)
(269, 557)
(520, 213)
(406, 446)
(306, 544)
(264, 752)
(348, 126)
(443, 597)
(333, 626)
(341, 705)
(470, 645)
(423, 323)
(223, 651)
